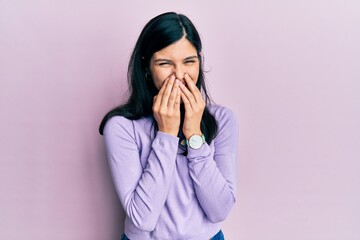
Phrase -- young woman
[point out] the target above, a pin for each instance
(172, 153)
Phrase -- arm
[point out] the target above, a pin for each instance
(214, 176)
(142, 192)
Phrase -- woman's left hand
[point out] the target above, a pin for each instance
(194, 107)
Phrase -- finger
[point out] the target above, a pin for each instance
(177, 101)
(167, 91)
(163, 87)
(174, 93)
(186, 102)
(158, 97)
(156, 103)
(189, 96)
(192, 87)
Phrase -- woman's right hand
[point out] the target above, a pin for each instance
(166, 106)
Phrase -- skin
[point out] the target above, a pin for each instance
(175, 71)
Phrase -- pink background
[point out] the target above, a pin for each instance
(290, 70)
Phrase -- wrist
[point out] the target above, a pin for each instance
(195, 141)
(169, 132)
(189, 133)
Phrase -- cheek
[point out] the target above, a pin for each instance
(159, 76)
(194, 73)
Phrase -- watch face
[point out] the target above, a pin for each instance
(195, 141)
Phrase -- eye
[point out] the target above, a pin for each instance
(163, 63)
(189, 61)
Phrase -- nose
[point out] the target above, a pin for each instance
(179, 72)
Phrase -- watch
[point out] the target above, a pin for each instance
(195, 141)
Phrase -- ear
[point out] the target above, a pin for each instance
(147, 74)
(201, 56)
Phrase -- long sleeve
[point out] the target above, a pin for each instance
(142, 190)
(214, 173)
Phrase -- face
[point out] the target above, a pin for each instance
(176, 59)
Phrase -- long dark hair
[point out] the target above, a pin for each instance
(157, 34)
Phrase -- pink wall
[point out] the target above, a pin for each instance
(289, 69)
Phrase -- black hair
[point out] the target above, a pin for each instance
(158, 33)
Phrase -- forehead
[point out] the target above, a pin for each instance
(178, 50)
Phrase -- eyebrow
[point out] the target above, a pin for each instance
(167, 60)
(191, 57)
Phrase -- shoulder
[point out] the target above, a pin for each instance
(117, 122)
(123, 125)
(228, 125)
(221, 113)
(118, 126)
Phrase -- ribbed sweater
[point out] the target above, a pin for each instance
(170, 191)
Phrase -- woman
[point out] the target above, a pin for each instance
(172, 153)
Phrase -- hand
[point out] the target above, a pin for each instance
(194, 107)
(166, 106)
